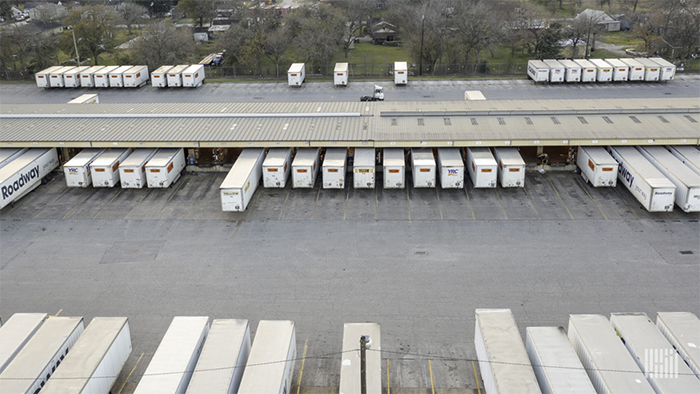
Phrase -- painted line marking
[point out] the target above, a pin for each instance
(59, 312)
(388, 385)
(56, 199)
(376, 201)
(137, 204)
(345, 209)
(250, 208)
(200, 196)
(589, 196)
(284, 205)
(532, 203)
(182, 182)
(316, 202)
(475, 377)
(560, 199)
(128, 376)
(110, 201)
(501, 203)
(94, 190)
(408, 196)
(301, 370)
(430, 366)
(437, 193)
(625, 201)
(469, 202)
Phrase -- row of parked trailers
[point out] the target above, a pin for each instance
(296, 74)
(626, 354)
(599, 70)
(119, 76)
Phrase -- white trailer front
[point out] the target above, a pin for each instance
(538, 71)
(682, 330)
(573, 70)
(556, 365)
(334, 168)
(620, 70)
(604, 71)
(654, 354)
(222, 362)
(170, 369)
(15, 333)
(105, 169)
(588, 70)
(305, 167)
(101, 77)
(423, 168)
(686, 181)
(688, 155)
(25, 173)
(652, 70)
(136, 76)
(597, 166)
(132, 171)
(43, 77)
(636, 69)
(277, 167)
(651, 188)
(271, 361)
(9, 154)
(340, 74)
(394, 167)
(667, 69)
(42, 354)
(557, 70)
(165, 167)
(603, 355)
(242, 180)
(350, 359)
(296, 75)
(96, 359)
(87, 77)
(400, 73)
(57, 80)
(451, 168)
(193, 76)
(511, 167)
(503, 361)
(71, 79)
(482, 167)
(363, 168)
(159, 77)
(175, 75)
(116, 76)
(77, 169)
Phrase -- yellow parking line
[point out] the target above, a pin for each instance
(81, 203)
(589, 196)
(388, 386)
(430, 366)
(285, 202)
(408, 196)
(437, 193)
(625, 201)
(132, 371)
(477, 379)
(560, 199)
(137, 204)
(501, 202)
(59, 312)
(110, 201)
(316, 202)
(55, 199)
(470, 203)
(301, 370)
(532, 203)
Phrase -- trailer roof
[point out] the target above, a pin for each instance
(631, 62)
(49, 70)
(135, 69)
(335, 157)
(84, 157)
(108, 157)
(599, 155)
(163, 157)
(93, 69)
(350, 364)
(450, 157)
(569, 63)
(364, 157)
(276, 157)
(400, 65)
(616, 63)
(662, 62)
(393, 157)
(85, 356)
(600, 63)
(77, 70)
(674, 166)
(194, 68)
(643, 167)
(647, 63)
(106, 70)
(242, 168)
(341, 67)
(62, 70)
(21, 162)
(510, 156)
(296, 67)
(120, 70)
(6, 153)
(305, 157)
(684, 327)
(584, 63)
(138, 157)
(538, 64)
(266, 364)
(690, 154)
(483, 156)
(163, 70)
(422, 157)
(178, 69)
(551, 63)
(16, 332)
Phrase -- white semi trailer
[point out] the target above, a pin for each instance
(43, 77)
(482, 167)
(335, 168)
(242, 181)
(400, 73)
(159, 77)
(597, 166)
(15, 333)
(667, 69)
(647, 184)
(271, 360)
(77, 170)
(277, 167)
(451, 168)
(682, 330)
(105, 169)
(25, 173)
(165, 167)
(132, 171)
(686, 181)
(9, 154)
(394, 167)
(305, 167)
(538, 71)
(296, 75)
(689, 155)
(423, 168)
(363, 168)
(511, 167)
(620, 70)
(350, 374)
(87, 77)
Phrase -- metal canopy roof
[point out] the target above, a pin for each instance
(436, 123)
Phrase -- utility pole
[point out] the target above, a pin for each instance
(422, 30)
(363, 363)
(77, 55)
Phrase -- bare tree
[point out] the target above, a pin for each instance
(648, 30)
(94, 26)
(317, 32)
(162, 43)
(683, 29)
(355, 12)
(131, 13)
(478, 26)
(577, 32)
(198, 9)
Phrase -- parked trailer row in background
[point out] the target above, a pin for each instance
(15, 333)
(601, 70)
(128, 76)
(25, 173)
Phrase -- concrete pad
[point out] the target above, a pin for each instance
(485, 203)
(270, 203)
(361, 204)
(330, 204)
(208, 206)
(517, 204)
(608, 201)
(454, 204)
(392, 204)
(151, 205)
(28, 206)
(65, 203)
(423, 204)
(94, 203)
(184, 198)
(301, 202)
(122, 204)
(574, 196)
(544, 198)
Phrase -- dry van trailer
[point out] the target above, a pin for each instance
(57, 80)
(170, 369)
(271, 360)
(394, 167)
(602, 354)
(688, 155)
(296, 75)
(604, 71)
(242, 181)
(159, 77)
(511, 167)
(636, 69)
(105, 169)
(71, 79)
(482, 167)
(557, 70)
(43, 77)
(588, 70)
(96, 359)
(132, 171)
(136, 76)
(175, 75)
(363, 168)
(651, 69)
(620, 69)
(400, 73)
(15, 333)
(25, 173)
(554, 360)
(686, 181)
(667, 70)
(277, 167)
(538, 71)
(116, 76)
(193, 76)
(305, 167)
(101, 77)
(451, 168)
(423, 168)
(474, 95)
(77, 169)
(654, 354)
(165, 167)
(597, 166)
(86, 99)
(42, 354)
(87, 77)
(350, 359)
(503, 361)
(340, 74)
(9, 154)
(334, 168)
(224, 355)
(682, 330)
(573, 70)
(647, 184)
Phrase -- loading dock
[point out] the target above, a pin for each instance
(334, 168)
(363, 168)
(242, 181)
(305, 167)
(77, 169)
(277, 167)
(394, 167)
(132, 171)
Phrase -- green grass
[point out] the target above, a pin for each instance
(620, 38)
(368, 53)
